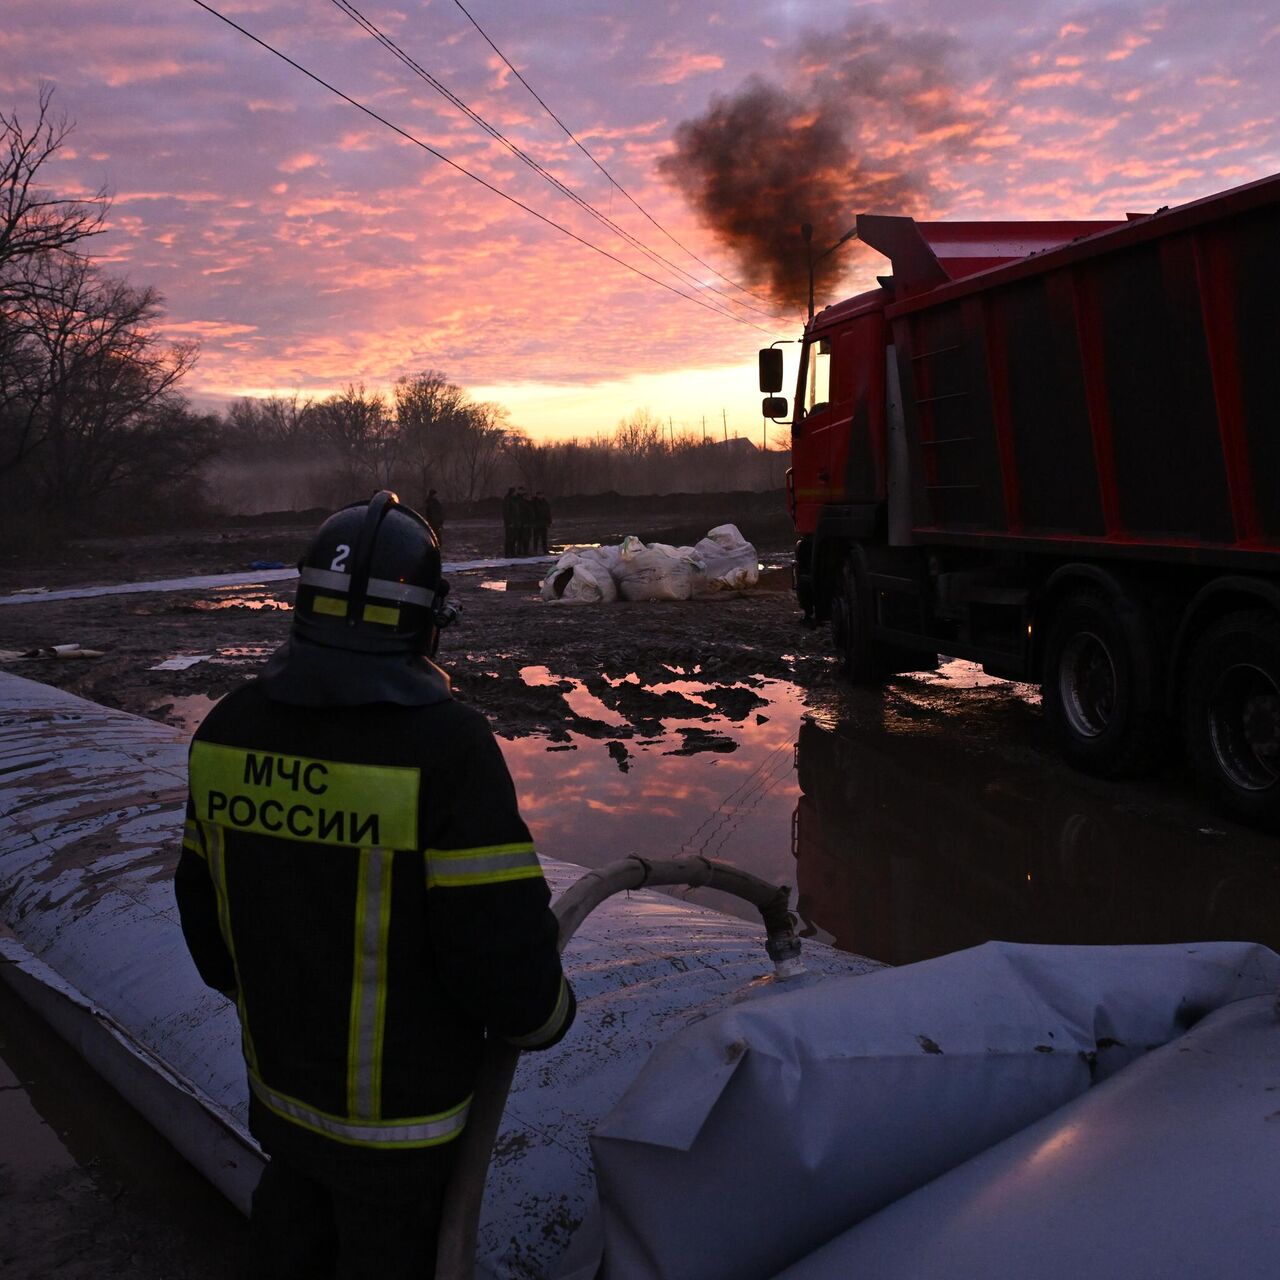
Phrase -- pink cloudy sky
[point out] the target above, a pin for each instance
(306, 246)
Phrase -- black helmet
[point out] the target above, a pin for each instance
(370, 581)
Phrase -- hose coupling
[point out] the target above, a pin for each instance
(784, 950)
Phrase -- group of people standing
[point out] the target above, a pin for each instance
(525, 521)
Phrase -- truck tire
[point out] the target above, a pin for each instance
(853, 624)
(1101, 685)
(1232, 714)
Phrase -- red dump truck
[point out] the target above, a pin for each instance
(1054, 449)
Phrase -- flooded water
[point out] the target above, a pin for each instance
(254, 600)
(89, 1188)
(702, 784)
(911, 822)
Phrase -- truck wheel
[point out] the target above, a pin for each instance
(1233, 714)
(852, 624)
(1100, 686)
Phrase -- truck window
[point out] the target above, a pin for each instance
(817, 378)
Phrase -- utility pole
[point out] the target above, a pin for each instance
(704, 428)
(724, 417)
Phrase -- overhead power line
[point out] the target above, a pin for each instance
(488, 186)
(613, 181)
(371, 28)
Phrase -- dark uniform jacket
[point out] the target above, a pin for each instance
(360, 880)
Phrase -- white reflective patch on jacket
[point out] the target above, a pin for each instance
(415, 1131)
(493, 864)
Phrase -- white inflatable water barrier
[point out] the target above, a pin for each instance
(90, 832)
(1004, 1111)
(214, 581)
(763, 1134)
(1167, 1170)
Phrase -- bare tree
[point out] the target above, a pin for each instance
(272, 423)
(43, 277)
(111, 384)
(35, 223)
(639, 436)
(430, 414)
(476, 450)
(358, 427)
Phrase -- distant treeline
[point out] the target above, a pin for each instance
(96, 433)
(284, 454)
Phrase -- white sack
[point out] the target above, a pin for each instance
(607, 557)
(577, 579)
(676, 553)
(92, 829)
(652, 575)
(730, 562)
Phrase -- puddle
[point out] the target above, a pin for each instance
(238, 602)
(959, 674)
(920, 819)
(908, 846)
(592, 801)
(915, 821)
(186, 712)
(99, 1191)
(238, 654)
(502, 585)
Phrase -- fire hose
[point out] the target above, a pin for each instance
(460, 1220)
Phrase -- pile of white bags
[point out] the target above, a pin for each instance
(723, 561)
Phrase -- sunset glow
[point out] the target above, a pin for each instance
(304, 245)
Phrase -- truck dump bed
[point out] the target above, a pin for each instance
(1120, 390)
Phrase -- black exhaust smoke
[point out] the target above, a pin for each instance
(859, 138)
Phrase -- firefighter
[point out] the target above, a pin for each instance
(510, 520)
(541, 523)
(356, 876)
(433, 510)
(524, 521)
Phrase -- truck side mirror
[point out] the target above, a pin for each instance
(774, 407)
(771, 370)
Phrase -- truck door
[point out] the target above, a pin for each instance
(838, 434)
(811, 432)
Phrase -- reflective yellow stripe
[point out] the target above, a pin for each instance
(549, 1028)
(369, 985)
(386, 615)
(327, 604)
(191, 838)
(383, 614)
(215, 841)
(491, 864)
(414, 1131)
(299, 798)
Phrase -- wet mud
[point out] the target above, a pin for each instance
(87, 1188)
(912, 820)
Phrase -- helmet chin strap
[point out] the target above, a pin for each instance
(444, 613)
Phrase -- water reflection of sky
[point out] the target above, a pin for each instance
(582, 807)
(912, 821)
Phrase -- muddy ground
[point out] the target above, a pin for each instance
(504, 629)
(933, 814)
(95, 1192)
